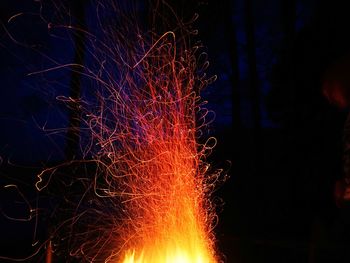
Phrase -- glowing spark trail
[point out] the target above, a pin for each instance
(156, 167)
(150, 198)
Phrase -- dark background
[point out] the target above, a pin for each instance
(278, 138)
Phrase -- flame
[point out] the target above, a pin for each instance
(175, 236)
(170, 255)
(157, 167)
(152, 187)
(166, 191)
(171, 220)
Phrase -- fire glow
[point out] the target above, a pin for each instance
(152, 183)
(158, 167)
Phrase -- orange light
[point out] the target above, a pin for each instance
(170, 255)
(151, 160)
(152, 187)
(158, 167)
(170, 217)
(173, 229)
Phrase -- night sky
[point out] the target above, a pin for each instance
(279, 140)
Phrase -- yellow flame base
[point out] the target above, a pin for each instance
(176, 255)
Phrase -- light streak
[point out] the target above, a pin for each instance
(151, 159)
(150, 198)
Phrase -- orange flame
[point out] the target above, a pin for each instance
(172, 227)
(152, 181)
(159, 171)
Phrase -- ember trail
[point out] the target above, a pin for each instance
(151, 192)
(153, 162)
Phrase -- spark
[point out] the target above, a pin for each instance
(149, 200)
